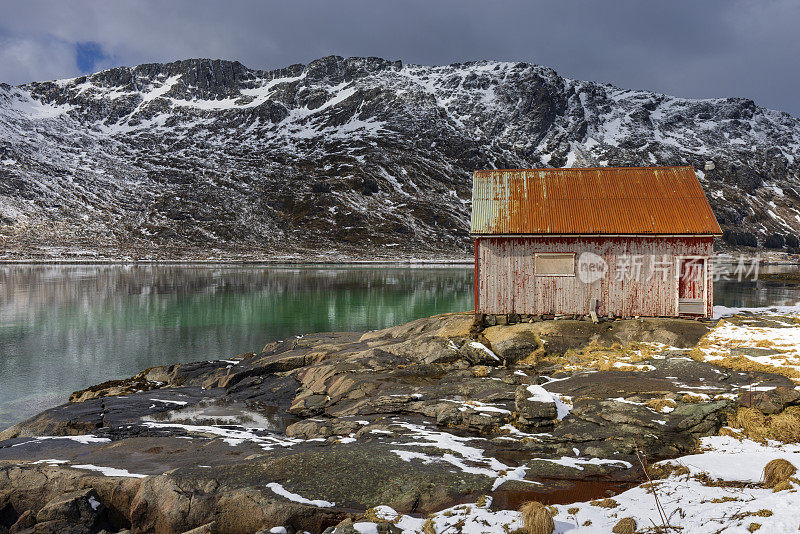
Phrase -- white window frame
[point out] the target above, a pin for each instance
(536, 257)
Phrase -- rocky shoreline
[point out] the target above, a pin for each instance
(320, 429)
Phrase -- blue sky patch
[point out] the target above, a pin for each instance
(88, 54)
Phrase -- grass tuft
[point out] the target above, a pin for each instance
(783, 486)
(626, 525)
(605, 503)
(751, 423)
(537, 354)
(785, 427)
(660, 404)
(536, 518)
(480, 371)
(777, 471)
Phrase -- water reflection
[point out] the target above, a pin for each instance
(63, 328)
(753, 293)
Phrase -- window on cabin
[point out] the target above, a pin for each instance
(560, 264)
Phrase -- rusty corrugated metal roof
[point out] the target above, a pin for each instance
(603, 200)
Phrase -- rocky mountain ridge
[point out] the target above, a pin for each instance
(348, 158)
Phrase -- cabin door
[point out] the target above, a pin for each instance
(692, 286)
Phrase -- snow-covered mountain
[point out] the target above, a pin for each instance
(361, 157)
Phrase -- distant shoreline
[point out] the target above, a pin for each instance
(56, 261)
(343, 260)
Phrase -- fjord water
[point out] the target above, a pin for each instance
(66, 327)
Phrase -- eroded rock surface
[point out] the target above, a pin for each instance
(319, 428)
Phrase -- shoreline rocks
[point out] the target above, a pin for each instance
(320, 428)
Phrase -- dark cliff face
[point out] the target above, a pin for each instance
(354, 155)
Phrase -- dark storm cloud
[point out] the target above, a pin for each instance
(690, 49)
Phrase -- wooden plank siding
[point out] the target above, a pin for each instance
(506, 281)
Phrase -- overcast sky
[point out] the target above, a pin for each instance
(686, 48)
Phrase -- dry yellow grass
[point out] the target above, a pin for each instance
(626, 525)
(372, 515)
(480, 371)
(660, 404)
(777, 471)
(751, 422)
(768, 344)
(537, 354)
(661, 471)
(603, 358)
(536, 518)
(605, 503)
(783, 486)
(753, 527)
(744, 364)
(721, 347)
(697, 355)
(784, 427)
(731, 432)
(643, 351)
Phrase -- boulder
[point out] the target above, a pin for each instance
(534, 407)
(775, 400)
(516, 342)
(82, 508)
(476, 353)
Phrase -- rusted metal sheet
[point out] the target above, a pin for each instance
(605, 200)
(506, 281)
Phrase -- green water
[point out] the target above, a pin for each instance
(66, 327)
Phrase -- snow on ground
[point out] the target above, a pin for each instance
(578, 463)
(109, 471)
(283, 492)
(232, 436)
(751, 457)
(725, 311)
(777, 345)
(478, 406)
(84, 439)
(690, 504)
(461, 454)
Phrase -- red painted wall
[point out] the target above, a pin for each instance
(505, 281)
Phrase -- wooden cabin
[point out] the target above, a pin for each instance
(631, 241)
